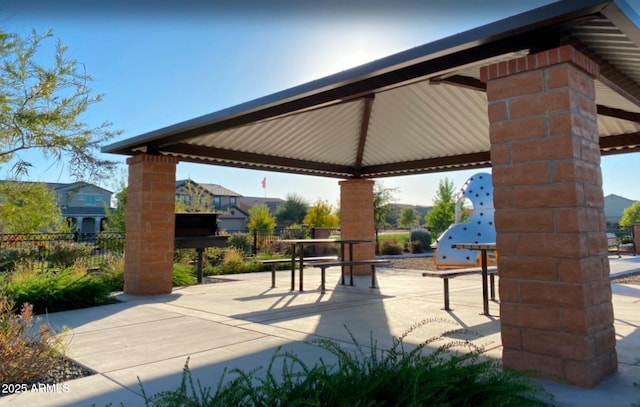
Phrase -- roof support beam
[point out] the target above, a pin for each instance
(618, 114)
(475, 84)
(611, 76)
(625, 143)
(364, 130)
(440, 164)
(462, 81)
(202, 154)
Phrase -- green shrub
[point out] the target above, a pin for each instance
(391, 247)
(26, 353)
(20, 254)
(242, 241)
(234, 263)
(112, 272)
(49, 291)
(52, 255)
(183, 274)
(295, 231)
(395, 237)
(66, 254)
(184, 256)
(365, 377)
(421, 235)
(626, 239)
(417, 246)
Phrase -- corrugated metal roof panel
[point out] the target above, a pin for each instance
(323, 135)
(424, 121)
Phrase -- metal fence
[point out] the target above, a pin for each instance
(59, 249)
(625, 235)
(62, 249)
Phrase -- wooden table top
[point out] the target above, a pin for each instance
(320, 241)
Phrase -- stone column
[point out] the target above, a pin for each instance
(556, 312)
(150, 224)
(636, 238)
(356, 219)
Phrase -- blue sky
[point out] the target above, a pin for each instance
(162, 62)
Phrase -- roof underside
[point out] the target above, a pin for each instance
(422, 110)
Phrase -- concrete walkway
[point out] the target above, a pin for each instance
(240, 323)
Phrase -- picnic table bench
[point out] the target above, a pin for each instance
(445, 275)
(275, 262)
(323, 265)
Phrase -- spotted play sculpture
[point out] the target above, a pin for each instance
(479, 229)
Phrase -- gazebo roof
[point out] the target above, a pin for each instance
(418, 111)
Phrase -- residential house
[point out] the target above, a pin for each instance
(232, 207)
(614, 206)
(214, 198)
(84, 205)
(247, 202)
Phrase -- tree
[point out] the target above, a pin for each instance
(41, 106)
(382, 208)
(292, 211)
(261, 219)
(630, 216)
(321, 215)
(408, 217)
(193, 198)
(444, 208)
(117, 218)
(29, 207)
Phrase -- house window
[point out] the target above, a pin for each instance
(232, 200)
(89, 199)
(185, 199)
(216, 202)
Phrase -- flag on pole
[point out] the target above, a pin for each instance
(264, 183)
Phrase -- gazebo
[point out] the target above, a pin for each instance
(538, 97)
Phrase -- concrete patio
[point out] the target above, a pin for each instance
(240, 323)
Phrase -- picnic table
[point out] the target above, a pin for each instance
(297, 246)
(484, 248)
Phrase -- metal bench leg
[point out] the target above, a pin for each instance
(446, 294)
(273, 276)
(373, 276)
(322, 278)
(351, 275)
(492, 280)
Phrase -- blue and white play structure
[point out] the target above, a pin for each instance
(478, 226)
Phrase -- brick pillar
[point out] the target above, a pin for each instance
(150, 224)
(636, 238)
(356, 219)
(556, 312)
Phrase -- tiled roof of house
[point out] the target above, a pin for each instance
(59, 185)
(247, 202)
(219, 190)
(213, 189)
